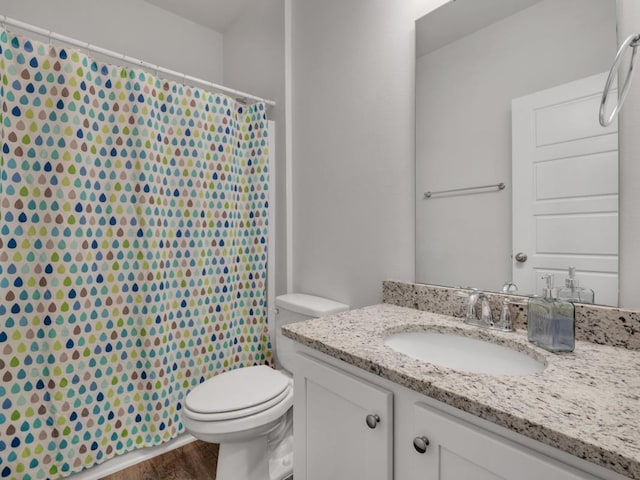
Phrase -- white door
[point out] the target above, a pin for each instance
(458, 451)
(343, 426)
(565, 189)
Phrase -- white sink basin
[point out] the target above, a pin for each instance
(463, 353)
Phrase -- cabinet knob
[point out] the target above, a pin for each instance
(372, 421)
(420, 444)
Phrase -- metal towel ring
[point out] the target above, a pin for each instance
(632, 41)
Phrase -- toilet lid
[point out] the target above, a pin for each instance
(237, 390)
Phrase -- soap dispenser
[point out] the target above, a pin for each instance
(573, 292)
(551, 321)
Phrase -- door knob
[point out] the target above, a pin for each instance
(521, 257)
(420, 444)
(372, 421)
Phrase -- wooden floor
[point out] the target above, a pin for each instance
(195, 461)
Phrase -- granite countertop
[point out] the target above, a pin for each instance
(586, 403)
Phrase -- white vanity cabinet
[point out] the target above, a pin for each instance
(343, 426)
(333, 441)
(446, 448)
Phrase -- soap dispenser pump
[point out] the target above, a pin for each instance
(551, 321)
(573, 292)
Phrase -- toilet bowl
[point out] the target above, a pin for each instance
(248, 410)
(239, 409)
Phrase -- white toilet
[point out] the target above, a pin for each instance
(248, 410)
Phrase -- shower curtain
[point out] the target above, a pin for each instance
(133, 226)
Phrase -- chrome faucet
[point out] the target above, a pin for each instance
(479, 311)
(509, 287)
(472, 300)
(481, 317)
(486, 318)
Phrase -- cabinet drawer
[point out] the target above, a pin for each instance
(460, 451)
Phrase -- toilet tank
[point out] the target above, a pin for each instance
(297, 307)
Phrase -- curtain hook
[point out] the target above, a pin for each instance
(50, 35)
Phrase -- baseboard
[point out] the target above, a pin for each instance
(132, 458)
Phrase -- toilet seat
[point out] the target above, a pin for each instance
(237, 394)
(232, 429)
(240, 413)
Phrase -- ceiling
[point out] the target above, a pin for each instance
(215, 14)
(459, 18)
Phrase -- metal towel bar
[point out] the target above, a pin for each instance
(499, 186)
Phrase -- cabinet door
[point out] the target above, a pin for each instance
(333, 439)
(461, 451)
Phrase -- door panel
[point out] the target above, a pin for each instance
(591, 175)
(455, 467)
(574, 234)
(332, 424)
(330, 413)
(560, 120)
(565, 189)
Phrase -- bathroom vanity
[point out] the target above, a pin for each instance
(365, 411)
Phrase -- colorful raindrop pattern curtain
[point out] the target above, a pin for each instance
(133, 226)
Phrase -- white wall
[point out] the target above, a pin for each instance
(463, 124)
(629, 22)
(254, 62)
(353, 147)
(134, 27)
(422, 7)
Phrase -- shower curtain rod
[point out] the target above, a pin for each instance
(238, 95)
